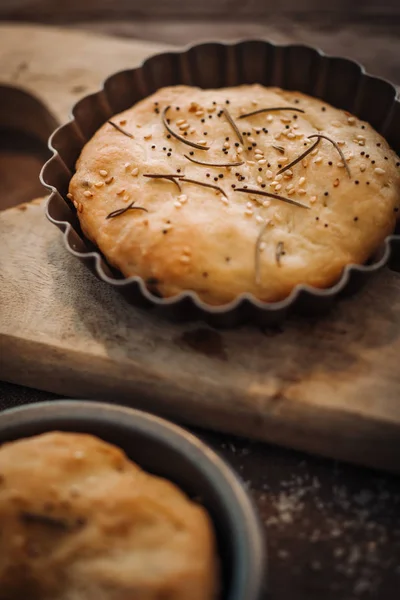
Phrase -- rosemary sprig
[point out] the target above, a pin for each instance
(121, 211)
(258, 252)
(299, 158)
(207, 164)
(233, 125)
(280, 149)
(203, 184)
(279, 252)
(272, 109)
(325, 137)
(176, 135)
(118, 128)
(271, 195)
(172, 178)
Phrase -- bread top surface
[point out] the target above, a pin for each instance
(79, 521)
(224, 244)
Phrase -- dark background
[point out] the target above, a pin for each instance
(333, 529)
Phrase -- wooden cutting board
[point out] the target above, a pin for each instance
(329, 386)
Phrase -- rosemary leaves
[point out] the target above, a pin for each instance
(121, 211)
(320, 136)
(176, 135)
(118, 128)
(233, 125)
(173, 178)
(271, 109)
(208, 164)
(271, 195)
(203, 184)
(299, 158)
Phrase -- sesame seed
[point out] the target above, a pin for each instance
(251, 140)
(120, 192)
(182, 198)
(88, 194)
(148, 136)
(224, 200)
(99, 184)
(302, 192)
(135, 171)
(313, 199)
(351, 120)
(262, 246)
(109, 180)
(251, 162)
(199, 113)
(248, 212)
(317, 160)
(302, 180)
(278, 187)
(239, 150)
(262, 161)
(227, 145)
(291, 136)
(127, 165)
(360, 137)
(314, 152)
(254, 102)
(202, 142)
(289, 187)
(269, 174)
(70, 196)
(379, 171)
(184, 127)
(288, 174)
(123, 122)
(103, 173)
(243, 110)
(266, 203)
(270, 118)
(181, 121)
(177, 204)
(336, 183)
(192, 130)
(340, 165)
(362, 168)
(257, 129)
(80, 207)
(185, 259)
(259, 179)
(274, 182)
(304, 162)
(259, 219)
(291, 192)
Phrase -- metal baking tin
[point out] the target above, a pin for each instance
(169, 451)
(339, 81)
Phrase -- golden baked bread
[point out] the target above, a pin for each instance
(335, 206)
(79, 521)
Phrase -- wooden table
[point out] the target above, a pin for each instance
(334, 530)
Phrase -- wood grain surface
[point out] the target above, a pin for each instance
(326, 386)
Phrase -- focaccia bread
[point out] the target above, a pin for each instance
(79, 521)
(288, 225)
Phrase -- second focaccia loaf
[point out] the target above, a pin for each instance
(79, 521)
